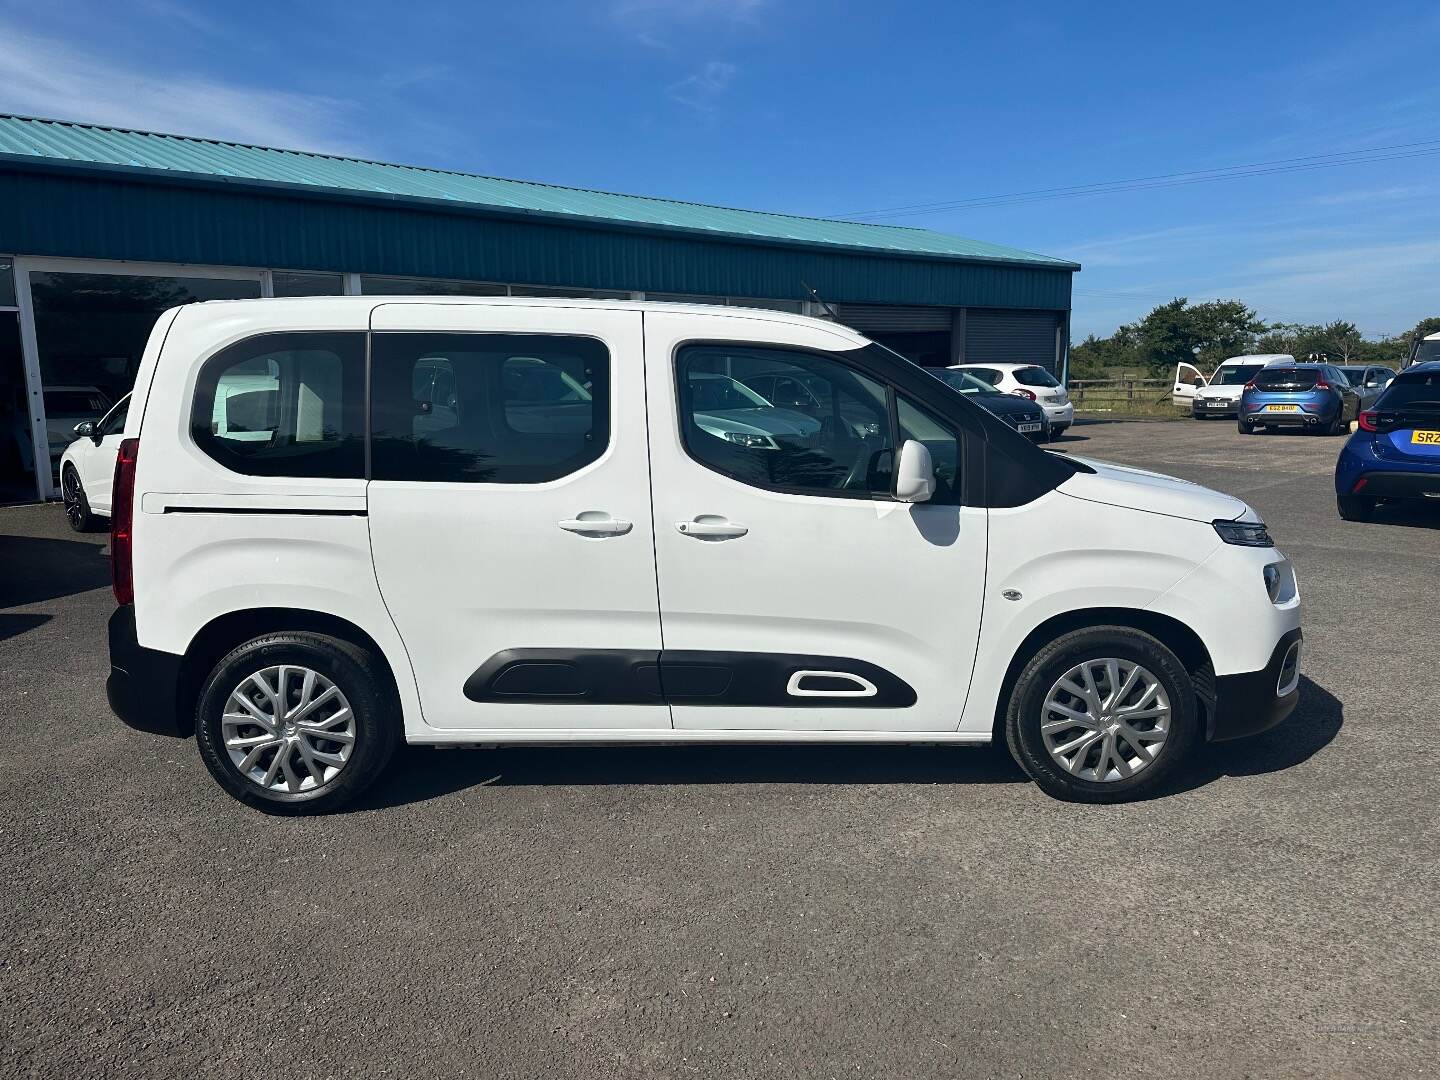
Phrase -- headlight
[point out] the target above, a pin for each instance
(756, 442)
(1272, 581)
(1244, 533)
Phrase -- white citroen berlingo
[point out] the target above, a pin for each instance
(340, 523)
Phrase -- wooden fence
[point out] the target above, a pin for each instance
(1122, 395)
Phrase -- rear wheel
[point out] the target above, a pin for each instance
(296, 723)
(1244, 428)
(77, 506)
(1339, 426)
(1102, 715)
(1355, 507)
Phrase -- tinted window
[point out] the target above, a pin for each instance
(944, 447)
(1409, 390)
(1337, 376)
(965, 382)
(985, 374)
(487, 408)
(1355, 376)
(1034, 376)
(1278, 378)
(114, 424)
(285, 405)
(1426, 350)
(835, 442)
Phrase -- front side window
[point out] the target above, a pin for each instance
(944, 447)
(487, 408)
(114, 423)
(828, 434)
(285, 405)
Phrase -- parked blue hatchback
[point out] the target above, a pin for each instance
(1396, 452)
(1312, 397)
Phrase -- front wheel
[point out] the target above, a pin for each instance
(1102, 715)
(77, 506)
(296, 723)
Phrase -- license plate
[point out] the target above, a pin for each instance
(1025, 429)
(1427, 438)
(1282, 408)
(1216, 404)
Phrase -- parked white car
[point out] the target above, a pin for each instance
(904, 567)
(1029, 381)
(88, 465)
(1219, 394)
(65, 406)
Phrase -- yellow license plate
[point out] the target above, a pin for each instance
(1282, 408)
(1431, 438)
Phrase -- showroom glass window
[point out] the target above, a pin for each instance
(306, 283)
(487, 408)
(91, 329)
(825, 431)
(288, 404)
(371, 285)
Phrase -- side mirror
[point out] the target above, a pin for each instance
(85, 429)
(915, 475)
(1199, 382)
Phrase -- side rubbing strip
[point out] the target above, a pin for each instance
(681, 677)
(268, 511)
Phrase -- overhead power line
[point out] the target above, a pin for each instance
(1394, 152)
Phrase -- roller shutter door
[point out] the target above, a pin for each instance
(1011, 337)
(893, 319)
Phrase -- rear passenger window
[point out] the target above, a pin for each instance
(285, 405)
(487, 408)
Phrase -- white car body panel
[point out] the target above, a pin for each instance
(1055, 400)
(94, 459)
(442, 576)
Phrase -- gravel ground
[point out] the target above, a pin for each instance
(784, 912)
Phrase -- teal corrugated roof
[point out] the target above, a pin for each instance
(89, 144)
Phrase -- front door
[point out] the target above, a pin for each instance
(97, 461)
(1187, 380)
(509, 511)
(795, 593)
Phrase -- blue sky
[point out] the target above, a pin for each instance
(831, 109)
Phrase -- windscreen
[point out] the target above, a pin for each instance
(1412, 391)
(1427, 350)
(1287, 378)
(1238, 376)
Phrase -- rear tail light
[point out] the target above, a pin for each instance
(1359, 484)
(1250, 385)
(1024, 393)
(122, 517)
(1367, 421)
(1321, 383)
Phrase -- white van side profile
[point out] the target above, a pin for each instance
(341, 523)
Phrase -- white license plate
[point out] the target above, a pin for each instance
(1216, 404)
(1026, 429)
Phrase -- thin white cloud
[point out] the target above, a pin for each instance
(703, 88)
(43, 77)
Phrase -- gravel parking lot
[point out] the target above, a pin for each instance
(786, 912)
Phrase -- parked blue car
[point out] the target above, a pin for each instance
(1312, 397)
(1396, 452)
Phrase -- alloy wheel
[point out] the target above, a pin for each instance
(1105, 720)
(288, 729)
(70, 496)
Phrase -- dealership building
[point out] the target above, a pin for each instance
(102, 228)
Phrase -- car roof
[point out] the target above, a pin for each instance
(1258, 358)
(1427, 367)
(1006, 366)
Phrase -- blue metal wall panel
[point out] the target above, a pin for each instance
(61, 213)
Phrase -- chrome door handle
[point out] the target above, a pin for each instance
(711, 527)
(596, 523)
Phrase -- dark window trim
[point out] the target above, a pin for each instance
(370, 336)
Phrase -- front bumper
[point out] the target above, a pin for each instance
(1203, 407)
(1255, 701)
(143, 685)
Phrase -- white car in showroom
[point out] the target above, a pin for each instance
(88, 464)
(1030, 381)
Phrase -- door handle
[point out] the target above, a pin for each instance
(711, 527)
(596, 523)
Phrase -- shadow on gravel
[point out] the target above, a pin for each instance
(13, 624)
(36, 568)
(1407, 515)
(418, 773)
(1308, 730)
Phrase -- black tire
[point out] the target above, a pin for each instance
(1338, 426)
(1245, 429)
(1355, 507)
(1025, 712)
(77, 506)
(358, 675)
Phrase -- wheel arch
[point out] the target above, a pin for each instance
(225, 632)
(1169, 631)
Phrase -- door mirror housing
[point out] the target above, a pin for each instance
(1198, 382)
(915, 474)
(85, 429)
